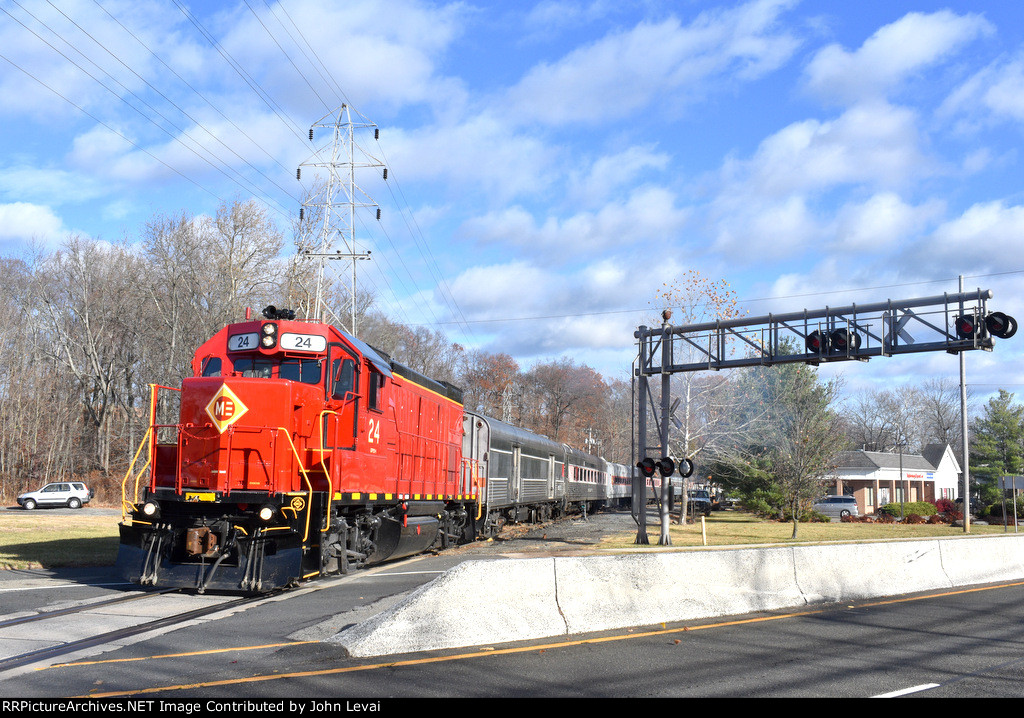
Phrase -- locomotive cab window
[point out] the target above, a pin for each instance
(307, 371)
(344, 376)
(253, 367)
(375, 390)
(211, 366)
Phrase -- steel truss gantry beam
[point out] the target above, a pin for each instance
(881, 329)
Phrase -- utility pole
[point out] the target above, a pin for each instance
(339, 197)
(966, 491)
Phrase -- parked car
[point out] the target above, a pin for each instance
(700, 502)
(836, 506)
(72, 494)
(976, 505)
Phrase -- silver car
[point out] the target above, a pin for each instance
(836, 506)
(65, 493)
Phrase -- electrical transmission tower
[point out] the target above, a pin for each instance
(337, 200)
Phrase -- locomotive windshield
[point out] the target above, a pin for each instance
(307, 371)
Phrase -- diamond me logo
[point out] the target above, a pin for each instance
(225, 408)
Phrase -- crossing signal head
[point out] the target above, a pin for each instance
(647, 467)
(685, 468)
(666, 467)
(966, 327)
(817, 342)
(1000, 325)
(842, 340)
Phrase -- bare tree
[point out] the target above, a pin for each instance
(694, 299)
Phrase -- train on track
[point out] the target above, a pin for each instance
(299, 451)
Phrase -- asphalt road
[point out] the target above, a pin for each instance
(959, 643)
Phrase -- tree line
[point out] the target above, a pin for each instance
(89, 325)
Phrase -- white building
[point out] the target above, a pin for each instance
(875, 479)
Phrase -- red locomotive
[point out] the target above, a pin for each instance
(300, 451)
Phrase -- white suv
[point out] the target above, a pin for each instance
(71, 494)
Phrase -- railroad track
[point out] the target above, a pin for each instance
(48, 653)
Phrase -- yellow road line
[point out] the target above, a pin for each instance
(486, 652)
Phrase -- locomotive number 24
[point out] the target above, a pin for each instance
(373, 431)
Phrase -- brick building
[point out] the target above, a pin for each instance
(874, 478)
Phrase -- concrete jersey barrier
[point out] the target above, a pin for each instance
(499, 601)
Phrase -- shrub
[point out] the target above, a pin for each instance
(921, 508)
(996, 509)
(945, 506)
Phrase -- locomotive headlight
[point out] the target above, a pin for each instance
(151, 509)
(269, 338)
(266, 512)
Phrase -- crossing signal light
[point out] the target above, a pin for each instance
(966, 327)
(685, 468)
(843, 340)
(817, 342)
(666, 467)
(647, 467)
(1000, 325)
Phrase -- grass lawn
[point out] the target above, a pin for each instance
(43, 539)
(731, 528)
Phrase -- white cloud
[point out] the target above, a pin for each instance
(607, 174)
(664, 62)
(376, 54)
(773, 205)
(893, 54)
(993, 94)
(986, 237)
(478, 154)
(648, 217)
(24, 222)
(882, 222)
(875, 144)
(539, 310)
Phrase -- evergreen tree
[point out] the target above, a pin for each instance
(789, 451)
(997, 444)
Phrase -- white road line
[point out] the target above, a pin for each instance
(63, 585)
(905, 691)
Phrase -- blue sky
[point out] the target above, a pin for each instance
(553, 164)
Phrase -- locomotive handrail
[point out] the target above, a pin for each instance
(327, 472)
(305, 476)
(474, 483)
(124, 502)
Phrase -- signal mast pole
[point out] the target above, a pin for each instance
(339, 217)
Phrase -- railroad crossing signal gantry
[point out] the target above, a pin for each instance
(953, 323)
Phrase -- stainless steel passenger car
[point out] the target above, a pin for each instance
(526, 477)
